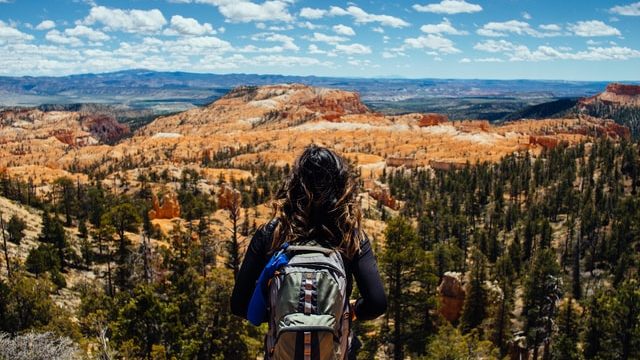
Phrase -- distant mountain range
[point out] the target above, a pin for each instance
(178, 90)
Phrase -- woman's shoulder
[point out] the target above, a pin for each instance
(263, 237)
(268, 228)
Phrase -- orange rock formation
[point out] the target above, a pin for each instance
(620, 94)
(451, 296)
(432, 119)
(168, 208)
(227, 196)
(270, 125)
(381, 192)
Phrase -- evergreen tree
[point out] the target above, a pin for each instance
(403, 263)
(15, 228)
(501, 311)
(565, 346)
(66, 192)
(122, 218)
(475, 301)
(42, 259)
(450, 344)
(542, 290)
(53, 232)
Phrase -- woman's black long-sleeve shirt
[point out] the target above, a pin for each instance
(371, 304)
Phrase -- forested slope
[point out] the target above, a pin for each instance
(547, 246)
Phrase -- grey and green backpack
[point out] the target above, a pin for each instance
(308, 306)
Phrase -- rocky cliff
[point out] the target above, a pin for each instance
(267, 107)
(270, 125)
(618, 94)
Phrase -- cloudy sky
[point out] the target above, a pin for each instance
(497, 39)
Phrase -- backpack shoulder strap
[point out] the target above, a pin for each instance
(310, 248)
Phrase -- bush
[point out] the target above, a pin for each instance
(42, 259)
(37, 346)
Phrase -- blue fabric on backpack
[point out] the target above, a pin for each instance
(257, 312)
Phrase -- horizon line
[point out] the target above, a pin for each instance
(381, 77)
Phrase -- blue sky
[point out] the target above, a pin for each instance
(497, 39)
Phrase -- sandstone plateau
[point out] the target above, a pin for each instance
(270, 125)
(617, 94)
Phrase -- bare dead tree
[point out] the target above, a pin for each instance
(6, 248)
(234, 244)
(146, 252)
(105, 352)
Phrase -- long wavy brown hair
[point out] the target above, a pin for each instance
(318, 201)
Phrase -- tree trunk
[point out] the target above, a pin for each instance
(109, 282)
(6, 248)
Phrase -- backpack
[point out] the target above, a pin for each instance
(308, 306)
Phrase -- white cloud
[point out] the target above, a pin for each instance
(393, 54)
(444, 27)
(481, 60)
(310, 13)
(11, 34)
(627, 10)
(314, 49)
(343, 30)
(449, 7)
(362, 17)
(309, 25)
(188, 26)
(280, 28)
(329, 39)
(286, 41)
(131, 21)
(286, 61)
(593, 28)
(550, 27)
(57, 37)
(378, 29)
(526, 15)
(494, 46)
(490, 59)
(46, 25)
(242, 11)
(432, 42)
(359, 63)
(353, 49)
(197, 44)
(516, 52)
(500, 29)
(86, 32)
(186, 54)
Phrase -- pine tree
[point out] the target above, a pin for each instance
(542, 290)
(405, 266)
(627, 314)
(53, 233)
(501, 312)
(475, 301)
(596, 326)
(122, 218)
(15, 228)
(67, 194)
(576, 286)
(565, 345)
